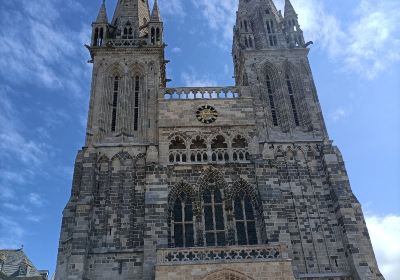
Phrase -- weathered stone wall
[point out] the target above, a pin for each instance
(273, 270)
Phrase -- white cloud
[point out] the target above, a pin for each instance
(176, 50)
(192, 80)
(36, 199)
(15, 207)
(170, 7)
(368, 46)
(13, 144)
(36, 48)
(385, 236)
(11, 233)
(220, 16)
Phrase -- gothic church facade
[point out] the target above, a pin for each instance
(235, 183)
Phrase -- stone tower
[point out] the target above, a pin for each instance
(239, 182)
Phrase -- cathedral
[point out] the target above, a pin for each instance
(209, 183)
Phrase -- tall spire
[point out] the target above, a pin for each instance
(102, 16)
(155, 14)
(289, 10)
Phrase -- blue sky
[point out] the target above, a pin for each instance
(44, 91)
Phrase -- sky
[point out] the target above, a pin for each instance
(45, 85)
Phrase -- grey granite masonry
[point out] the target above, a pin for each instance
(238, 182)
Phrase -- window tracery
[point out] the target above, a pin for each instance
(219, 150)
(213, 217)
(182, 219)
(245, 220)
(271, 100)
(115, 103)
(240, 149)
(177, 149)
(292, 100)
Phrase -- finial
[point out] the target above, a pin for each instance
(102, 16)
(289, 10)
(155, 14)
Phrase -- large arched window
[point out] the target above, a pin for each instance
(182, 222)
(292, 100)
(245, 220)
(213, 218)
(115, 103)
(271, 100)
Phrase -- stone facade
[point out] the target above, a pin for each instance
(209, 183)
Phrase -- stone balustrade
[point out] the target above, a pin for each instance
(202, 255)
(123, 43)
(201, 93)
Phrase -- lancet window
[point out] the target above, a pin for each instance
(213, 218)
(182, 222)
(292, 100)
(245, 220)
(219, 149)
(98, 37)
(240, 149)
(136, 103)
(271, 100)
(272, 38)
(198, 150)
(127, 31)
(153, 36)
(177, 149)
(115, 103)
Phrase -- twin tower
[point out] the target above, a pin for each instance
(224, 183)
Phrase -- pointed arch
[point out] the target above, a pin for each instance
(211, 176)
(293, 90)
(136, 92)
(271, 81)
(182, 212)
(227, 274)
(124, 158)
(212, 188)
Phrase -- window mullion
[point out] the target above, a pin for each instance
(245, 221)
(183, 224)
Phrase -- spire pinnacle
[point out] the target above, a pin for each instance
(289, 10)
(102, 16)
(155, 14)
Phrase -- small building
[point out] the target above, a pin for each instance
(15, 264)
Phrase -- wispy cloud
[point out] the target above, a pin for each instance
(36, 48)
(385, 236)
(220, 16)
(36, 199)
(191, 79)
(176, 50)
(171, 7)
(367, 44)
(11, 233)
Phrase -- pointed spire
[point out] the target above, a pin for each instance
(102, 16)
(289, 10)
(155, 14)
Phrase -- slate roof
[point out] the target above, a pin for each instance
(17, 265)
